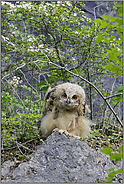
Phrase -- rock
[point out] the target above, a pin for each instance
(61, 159)
(95, 9)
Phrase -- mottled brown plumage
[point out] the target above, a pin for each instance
(64, 110)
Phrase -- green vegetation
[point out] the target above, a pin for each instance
(116, 156)
(49, 42)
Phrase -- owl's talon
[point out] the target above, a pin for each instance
(60, 131)
(55, 130)
(68, 134)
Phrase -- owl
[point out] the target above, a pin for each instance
(64, 111)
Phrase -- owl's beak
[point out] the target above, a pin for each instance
(68, 101)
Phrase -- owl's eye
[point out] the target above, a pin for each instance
(74, 97)
(64, 95)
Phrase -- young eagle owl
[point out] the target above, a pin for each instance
(64, 110)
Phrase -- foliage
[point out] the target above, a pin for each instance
(116, 156)
(108, 136)
(37, 37)
(17, 124)
(113, 55)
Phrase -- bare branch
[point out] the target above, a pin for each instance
(29, 83)
(6, 39)
(113, 96)
(19, 67)
(23, 146)
(110, 107)
(16, 93)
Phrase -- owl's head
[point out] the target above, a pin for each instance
(70, 96)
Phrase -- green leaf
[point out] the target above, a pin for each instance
(112, 169)
(116, 156)
(105, 17)
(111, 19)
(108, 66)
(119, 4)
(10, 129)
(121, 148)
(119, 20)
(4, 99)
(104, 24)
(98, 39)
(106, 150)
(42, 141)
(112, 38)
(115, 68)
(98, 21)
(114, 102)
(112, 174)
(119, 62)
(43, 88)
(120, 12)
(120, 89)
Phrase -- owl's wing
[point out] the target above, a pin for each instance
(49, 100)
(83, 109)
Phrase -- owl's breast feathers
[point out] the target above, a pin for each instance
(64, 109)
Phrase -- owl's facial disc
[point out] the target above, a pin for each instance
(69, 101)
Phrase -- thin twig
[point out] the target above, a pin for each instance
(6, 39)
(19, 67)
(15, 92)
(28, 82)
(105, 114)
(22, 152)
(21, 145)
